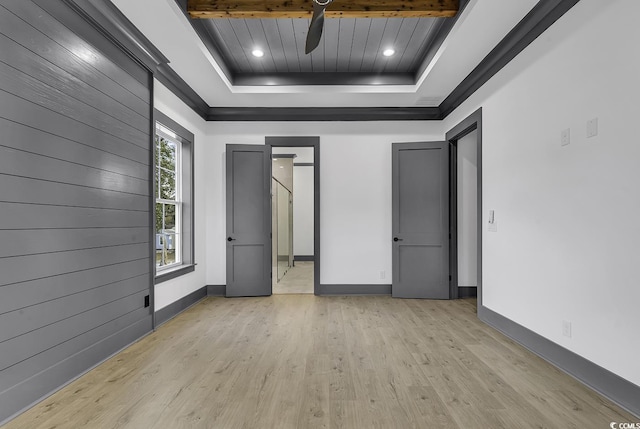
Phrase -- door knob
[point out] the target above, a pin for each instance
(397, 239)
(230, 239)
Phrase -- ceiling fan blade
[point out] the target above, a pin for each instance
(315, 28)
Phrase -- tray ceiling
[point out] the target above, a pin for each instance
(349, 45)
(350, 51)
(207, 66)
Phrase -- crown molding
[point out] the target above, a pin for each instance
(323, 114)
(181, 89)
(536, 22)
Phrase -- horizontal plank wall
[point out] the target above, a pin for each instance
(75, 168)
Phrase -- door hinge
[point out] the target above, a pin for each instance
(449, 278)
(449, 236)
(271, 275)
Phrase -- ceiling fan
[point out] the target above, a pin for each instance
(317, 25)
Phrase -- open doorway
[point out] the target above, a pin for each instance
(466, 207)
(295, 211)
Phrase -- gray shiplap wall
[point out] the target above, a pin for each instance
(75, 163)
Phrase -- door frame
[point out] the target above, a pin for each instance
(471, 123)
(314, 142)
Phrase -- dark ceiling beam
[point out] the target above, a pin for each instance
(323, 114)
(337, 9)
(322, 78)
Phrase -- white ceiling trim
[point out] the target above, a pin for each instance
(456, 28)
(334, 89)
(182, 19)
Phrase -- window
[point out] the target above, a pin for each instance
(173, 192)
(167, 192)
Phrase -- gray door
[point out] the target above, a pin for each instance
(248, 220)
(420, 220)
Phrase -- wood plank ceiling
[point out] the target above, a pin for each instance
(350, 51)
(348, 45)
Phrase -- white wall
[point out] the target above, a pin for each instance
(355, 191)
(283, 237)
(172, 290)
(467, 163)
(566, 247)
(303, 154)
(303, 210)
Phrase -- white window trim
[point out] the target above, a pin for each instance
(166, 133)
(186, 213)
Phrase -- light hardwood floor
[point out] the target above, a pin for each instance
(301, 361)
(299, 279)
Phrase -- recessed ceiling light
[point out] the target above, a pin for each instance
(388, 52)
(281, 166)
(275, 159)
(257, 53)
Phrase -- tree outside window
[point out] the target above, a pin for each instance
(168, 204)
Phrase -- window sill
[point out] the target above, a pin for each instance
(175, 272)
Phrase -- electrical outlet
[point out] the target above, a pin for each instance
(592, 128)
(383, 274)
(565, 137)
(566, 328)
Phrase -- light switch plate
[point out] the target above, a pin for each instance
(493, 226)
(592, 127)
(566, 328)
(565, 137)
